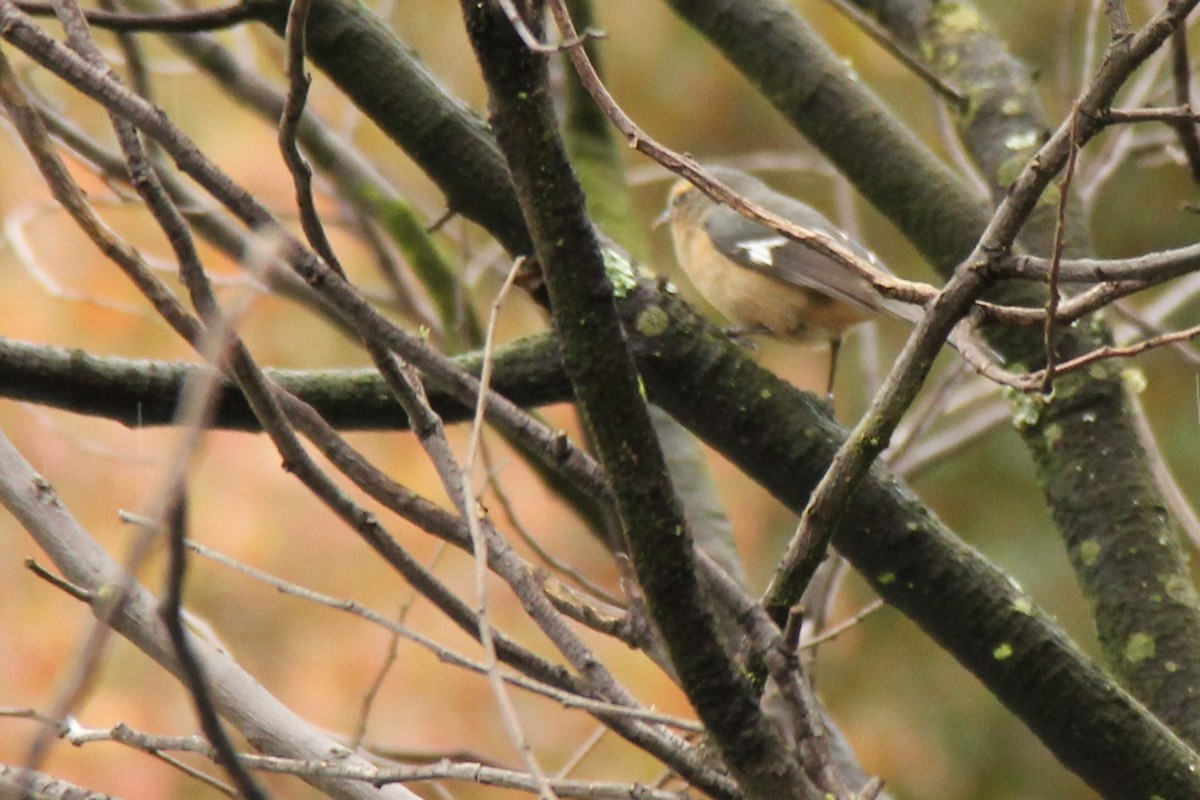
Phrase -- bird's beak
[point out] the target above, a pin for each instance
(663, 218)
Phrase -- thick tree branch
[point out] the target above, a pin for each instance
(607, 389)
(140, 392)
(266, 723)
(1084, 438)
(939, 561)
(784, 439)
(812, 88)
(442, 135)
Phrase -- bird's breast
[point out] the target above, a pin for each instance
(755, 300)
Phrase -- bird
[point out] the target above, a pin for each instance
(765, 282)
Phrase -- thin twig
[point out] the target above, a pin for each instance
(29, 784)
(135, 56)
(289, 125)
(870, 436)
(803, 723)
(582, 752)
(885, 39)
(1182, 296)
(250, 379)
(78, 592)
(958, 436)
(197, 405)
(77, 735)
(33, 133)
(23, 250)
(689, 168)
(557, 565)
(192, 772)
(192, 21)
(1181, 73)
(1177, 499)
(835, 631)
(16, 28)
(1121, 116)
(361, 771)
(173, 511)
(565, 698)
(475, 773)
(470, 506)
(530, 39)
(1115, 151)
(1060, 233)
(390, 660)
(931, 408)
(661, 743)
(1091, 28)
(1112, 351)
(1143, 324)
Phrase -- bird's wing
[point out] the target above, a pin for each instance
(755, 246)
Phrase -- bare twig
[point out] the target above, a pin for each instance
(923, 416)
(78, 592)
(528, 37)
(289, 125)
(20, 243)
(171, 611)
(803, 723)
(352, 307)
(835, 631)
(870, 436)
(1060, 232)
(470, 508)
(567, 699)
(361, 772)
(1182, 296)
(135, 57)
(689, 168)
(263, 401)
(258, 714)
(389, 661)
(475, 773)
(581, 752)
(935, 449)
(29, 126)
(1181, 73)
(1087, 64)
(173, 511)
(1112, 351)
(20, 782)
(557, 565)
(1123, 116)
(885, 39)
(1139, 92)
(1181, 506)
(191, 21)
(1147, 327)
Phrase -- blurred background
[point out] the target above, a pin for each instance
(914, 716)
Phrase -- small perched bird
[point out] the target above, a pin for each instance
(765, 282)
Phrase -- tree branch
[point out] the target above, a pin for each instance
(1084, 437)
(607, 388)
